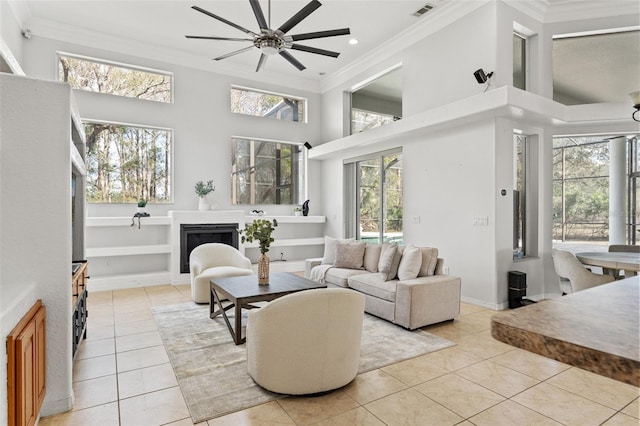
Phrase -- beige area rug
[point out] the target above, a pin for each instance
(212, 370)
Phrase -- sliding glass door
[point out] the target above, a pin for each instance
(379, 198)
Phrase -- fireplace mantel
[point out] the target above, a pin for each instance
(180, 217)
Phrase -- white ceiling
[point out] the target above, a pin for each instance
(597, 72)
(165, 24)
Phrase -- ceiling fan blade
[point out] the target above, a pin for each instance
(257, 10)
(261, 62)
(221, 19)
(292, 60)
(219, 38)
(314, 50)
(321, 34)
(233, 53)
(298, 17)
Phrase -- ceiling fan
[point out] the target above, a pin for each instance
(270, 41)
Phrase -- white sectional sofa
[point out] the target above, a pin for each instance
(402, 284)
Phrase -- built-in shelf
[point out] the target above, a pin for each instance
(118, 262)
(128, 250)
(126, 221)
(289, 219)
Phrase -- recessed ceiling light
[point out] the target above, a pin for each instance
(353, 41)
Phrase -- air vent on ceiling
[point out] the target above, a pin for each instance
(424, 9)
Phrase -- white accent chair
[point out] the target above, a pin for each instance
(306, 342)
(572, 275)
(214, 260)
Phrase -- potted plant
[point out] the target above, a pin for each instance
(142, 203)
(260, 230)
(203, 189)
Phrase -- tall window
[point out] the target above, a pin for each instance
(266, 172)
(379, 198)
(520, 196)
(581, 189)
(96, 75)
(128, 163)
(519, 61)
(267, 104)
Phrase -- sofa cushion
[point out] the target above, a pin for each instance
(329, 257)
(389, 261)
(410, 263)
(339, 276)
(349, 254)
(374, 285)
(429, 260)
(372, 257)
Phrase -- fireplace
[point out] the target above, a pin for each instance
(192, 235)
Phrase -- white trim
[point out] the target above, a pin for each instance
(119, 282)
(122, 65)
(128, 250)
(55, 407)
(10, 59)
(596, 32)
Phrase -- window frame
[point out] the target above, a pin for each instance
(120, 65)
(301, 99)
(298, 191)
(525, 60)
(170, 175)
(352, 191)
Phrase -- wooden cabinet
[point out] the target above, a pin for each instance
(26, 367)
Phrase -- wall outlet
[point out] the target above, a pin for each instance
(108, 263)
(480, 221)
(446, 270)
(415, 220)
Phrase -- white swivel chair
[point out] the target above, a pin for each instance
(306, 342)
(214, 260)
(572, 275)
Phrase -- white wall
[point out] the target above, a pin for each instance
(201, 121)
(439, 69)
(35, 219)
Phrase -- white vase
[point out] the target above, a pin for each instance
(203, 204)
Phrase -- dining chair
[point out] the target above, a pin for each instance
(572, 275)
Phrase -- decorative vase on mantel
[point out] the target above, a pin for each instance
(203, 204)
(263, 269)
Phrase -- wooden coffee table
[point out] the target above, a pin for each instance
(244, 290)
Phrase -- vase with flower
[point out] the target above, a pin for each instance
(260, 230)
(204, 189)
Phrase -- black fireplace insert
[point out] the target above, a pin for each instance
(192, 235)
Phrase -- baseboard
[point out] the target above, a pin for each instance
(49, 408)
(120, 282)
(482, 303)
(283, 266)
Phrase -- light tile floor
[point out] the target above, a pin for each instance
(122, 376)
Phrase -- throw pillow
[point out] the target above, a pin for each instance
(410, 263)
(387, 258)
(429, 260)
(349, 254)
(329, 257)
(372, 257)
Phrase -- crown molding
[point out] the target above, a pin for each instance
(113, 43)
(429, 24)
(575, 10)
(21, 11)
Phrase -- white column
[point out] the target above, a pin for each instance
(617, 190)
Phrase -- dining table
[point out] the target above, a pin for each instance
(612, 261)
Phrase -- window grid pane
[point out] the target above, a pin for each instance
(268, 105)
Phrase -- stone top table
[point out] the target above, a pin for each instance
(628, 262)
(596, 329)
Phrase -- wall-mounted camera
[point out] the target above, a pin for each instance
(481, 77)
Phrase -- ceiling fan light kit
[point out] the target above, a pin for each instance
(270, 41)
